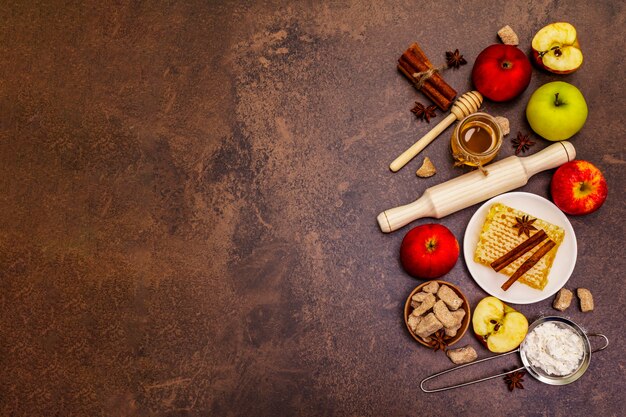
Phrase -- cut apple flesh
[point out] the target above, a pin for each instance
(500, 327)
(510, 334)
(564, 58)
(484, 320)
(555, 34)
(558, 48)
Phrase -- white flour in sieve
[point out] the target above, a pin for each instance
(557, 350)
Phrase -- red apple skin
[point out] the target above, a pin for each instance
(537, 60)
(501, 72)
(578, 187)
(429, 251)
(482, 340)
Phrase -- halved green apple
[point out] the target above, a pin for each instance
(499, 327)
(555, 48)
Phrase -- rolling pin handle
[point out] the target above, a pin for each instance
(553, 156)
(395, 218)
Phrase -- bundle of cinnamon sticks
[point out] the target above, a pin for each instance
(509, 257)
(413, 62)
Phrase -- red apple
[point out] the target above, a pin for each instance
(556, 49)
(578, 187)
(429, 251)
(501, 72)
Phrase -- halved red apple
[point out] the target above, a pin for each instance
(555, 48)
(499, 327)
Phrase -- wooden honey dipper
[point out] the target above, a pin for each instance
(465, 105)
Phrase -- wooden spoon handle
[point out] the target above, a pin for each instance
(467, 104)
(417, 147)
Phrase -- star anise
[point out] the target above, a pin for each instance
(522, 143)
(424, 113)
(515, 379)
(455, 59)
(524, 225)
(438, 341)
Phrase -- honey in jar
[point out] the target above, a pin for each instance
(476, 140)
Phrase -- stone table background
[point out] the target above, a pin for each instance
(188, 197)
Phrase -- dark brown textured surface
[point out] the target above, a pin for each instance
(189, 191)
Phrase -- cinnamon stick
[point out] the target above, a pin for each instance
(530, 262)
(428, 89)
(437, 79)
(416, 63)
(509, 257)
(413, 61)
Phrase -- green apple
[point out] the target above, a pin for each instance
(556, 111)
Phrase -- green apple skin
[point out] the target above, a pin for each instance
(556, 117)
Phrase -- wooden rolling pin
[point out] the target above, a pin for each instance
(465, 105)
(474, 187)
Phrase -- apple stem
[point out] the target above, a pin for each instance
(584, 187)
(557, 102)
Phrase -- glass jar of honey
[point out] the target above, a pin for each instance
(476, 140)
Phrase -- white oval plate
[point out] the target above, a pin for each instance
(564, 262)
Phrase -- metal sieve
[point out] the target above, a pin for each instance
(537, 372)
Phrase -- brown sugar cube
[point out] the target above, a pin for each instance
(427, 304)
(413, 322)
(427, 169)
(432, 287)
(417, 299)
(458, 315)
(462, 355)
(504, 125)
(508, 36)
(443, 314)
(586, 299)
(449, 297)
(563, 299)
(428, 326)
(452, 331)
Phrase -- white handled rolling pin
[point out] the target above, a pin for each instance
(465, 105)
(474, 187)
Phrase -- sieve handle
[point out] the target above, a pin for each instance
(470, 382)
(606, 341)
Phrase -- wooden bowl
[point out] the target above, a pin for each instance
(464, 323)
